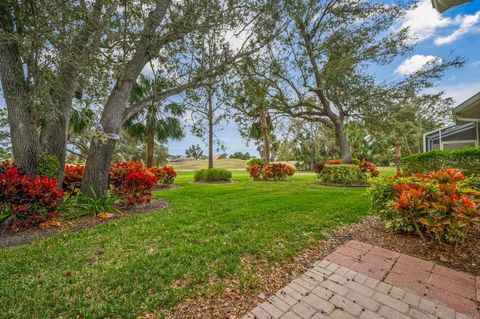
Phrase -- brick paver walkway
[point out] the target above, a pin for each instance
(359, 280)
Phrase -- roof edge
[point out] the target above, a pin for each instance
(443, 5)
(467, 103)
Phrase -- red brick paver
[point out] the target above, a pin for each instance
(458, 290)
(363, 281)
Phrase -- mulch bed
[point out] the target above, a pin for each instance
(13, 238)
(233, 303)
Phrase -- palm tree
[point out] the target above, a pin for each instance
(158, 121)
(253, 117)
(261, 130)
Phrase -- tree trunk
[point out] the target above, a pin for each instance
(23, 130)
(150, 146)
(53, 141)
(343, 142)
(398, 156)
(95, 177)
(150, 134)
(266, 136)
(210, 129)
(54, 133)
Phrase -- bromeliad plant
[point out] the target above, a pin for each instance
(433, 205)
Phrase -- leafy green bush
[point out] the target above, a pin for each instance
(48, 166)
(255, 160)
(345, 174)
(467, 160)
(381, 193)
(382, 197)
(355, 161)
(96, 204)
(212, 175)
(472, 182)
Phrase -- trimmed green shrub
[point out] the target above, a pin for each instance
(381, 193)
(467, 160)
(255, 160)
(212, 175)
(48, 166)
(345, 174)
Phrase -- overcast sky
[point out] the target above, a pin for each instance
(453, 33)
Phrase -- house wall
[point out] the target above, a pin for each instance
(448, 139)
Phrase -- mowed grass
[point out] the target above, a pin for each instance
(152, 262)
(228, 163)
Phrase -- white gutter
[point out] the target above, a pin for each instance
(466, 119)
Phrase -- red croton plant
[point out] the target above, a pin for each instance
(366, 166)
(435, 207)
(29, 201)
(132, 181)
(72, 178)
(165, 175)
(271, 172)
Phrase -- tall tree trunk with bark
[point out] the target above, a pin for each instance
(95, 177)
(23, 130)
(53, 141)
(150, 136)
(150, 146)
(342, 141)
(337, 119)
(53, 138)
(262, 116)
(398, 156)
(210, 127)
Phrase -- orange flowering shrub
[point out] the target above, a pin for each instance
(271, 172)
(435, 207)
(165, 175)
(366, 166)
(335, 161)
(132, 182)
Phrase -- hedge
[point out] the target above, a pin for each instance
(345, 174)
(212, 175)
(467, 160)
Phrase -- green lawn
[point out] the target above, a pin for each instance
(134, 266)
